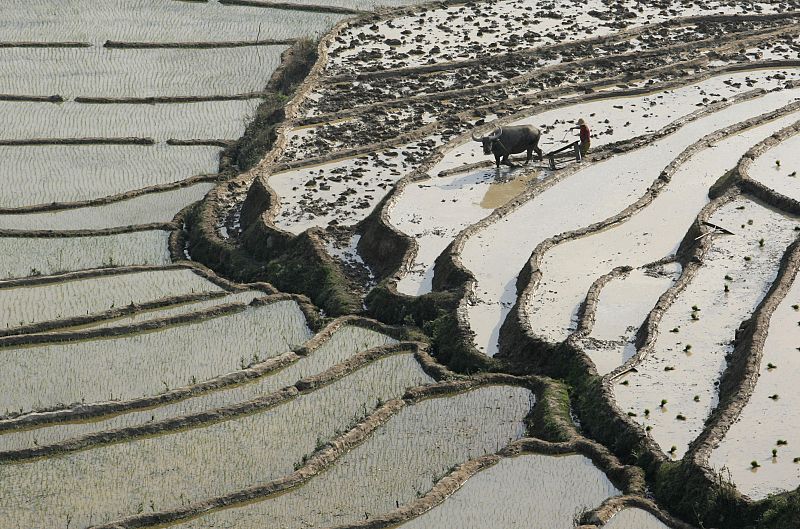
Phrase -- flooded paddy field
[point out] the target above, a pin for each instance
(63, 298)
(160, 207)
(34, 256)
(767, 421)
(387, 329)
(121, 366)
(36, 173)
(550, 491)
(399, 461)
(344, 343)
(698, 329)
(170, 470)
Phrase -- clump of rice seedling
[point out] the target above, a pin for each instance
(754, 464)
(646, 412)
(624, 382)
(697, 398)
(663, 403)
(687, 348)
(774, 452)
(761, 242)
(726, 288)
(631, 414)
(648, 428)
(695, 316)
(796, 460)
(796, 306)
(774, 397)
(748, 258)
(770, 365)
(695, 308)
(782, 442)
(675, 329)
(673, 449)
(669, 368)
(728, 278)
(680, 417)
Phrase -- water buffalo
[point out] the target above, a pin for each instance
(506, 141)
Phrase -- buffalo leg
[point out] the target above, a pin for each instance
(530, 155)
(508, 162)
(497, 159)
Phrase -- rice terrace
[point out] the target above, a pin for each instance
(365, 264)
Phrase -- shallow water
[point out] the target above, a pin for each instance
(104, 72)
(214, 119)
(37, 303)
(150, 208)
(69, 173)
(399, 461)
(170, 470)
(652, 233)
(671, 372)
(764, 420)
(344, 343)
(622, 308)
(147, 363)
(497, 253)
(778, 168)
(532, 491)
(634, 519)
(96, 21)
(33, 256)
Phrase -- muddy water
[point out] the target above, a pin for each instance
(344, 343)
(36, 303)
(147, 363)
(765, 420)
(779, 168)
(342, 192)
(649, 235)
(24, 257)
(170, 470)
(678, 374)
(622, 308)
(177, 310)
(435, 224)
(623, 118)
(634, 519)
(396, 463)
(497, 253)
(534, 491)
(434, 211)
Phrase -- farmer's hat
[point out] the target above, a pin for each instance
(581, 122)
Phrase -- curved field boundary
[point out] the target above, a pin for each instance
(599, 517)
(756, 188)
(210, 142)
(652, 192)
(742, 373)
(450, 271)
(327, 455)
(32, 99)
(96, 410)
(212, 416)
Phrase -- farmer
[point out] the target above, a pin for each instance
(585, 136)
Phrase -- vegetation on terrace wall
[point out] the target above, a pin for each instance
(261, 133)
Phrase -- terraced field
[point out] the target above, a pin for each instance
(257, 273)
